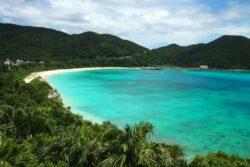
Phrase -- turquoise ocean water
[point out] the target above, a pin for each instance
(203, 111)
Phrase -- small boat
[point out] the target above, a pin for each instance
(152, 68)
(180, 69)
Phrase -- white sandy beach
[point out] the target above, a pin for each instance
(44, 74)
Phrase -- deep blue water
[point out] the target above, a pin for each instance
(204, 111)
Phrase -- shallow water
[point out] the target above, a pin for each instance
(203, 111)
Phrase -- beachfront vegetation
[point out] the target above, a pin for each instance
(218, 159)
(61, 50)
(38, 131)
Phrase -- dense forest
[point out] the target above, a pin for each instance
(62, 50)
(39, 131)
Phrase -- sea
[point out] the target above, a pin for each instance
(201, 110)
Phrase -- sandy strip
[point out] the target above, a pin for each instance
(44, 74)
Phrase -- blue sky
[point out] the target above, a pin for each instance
(151, 23)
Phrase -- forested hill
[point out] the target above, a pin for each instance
(42, 44)
(224, 52)
(62, 50)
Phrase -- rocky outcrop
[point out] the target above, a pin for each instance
(55, 95)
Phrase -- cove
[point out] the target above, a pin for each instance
(202, 110)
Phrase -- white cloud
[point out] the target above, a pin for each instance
(147, 22)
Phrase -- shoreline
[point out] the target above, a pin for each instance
(45, 74)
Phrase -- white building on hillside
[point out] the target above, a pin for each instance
(7, 63)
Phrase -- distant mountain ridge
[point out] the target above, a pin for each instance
(93, 49)
(224, 52)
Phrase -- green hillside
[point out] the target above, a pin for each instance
(55, 47)
(169, 54)
(62, 50)
(30, 43)
(224, 52)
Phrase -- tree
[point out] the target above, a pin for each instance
(219, 159)
(131, 147)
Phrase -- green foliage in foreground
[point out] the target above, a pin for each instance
(38, 131)
(219, 159)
